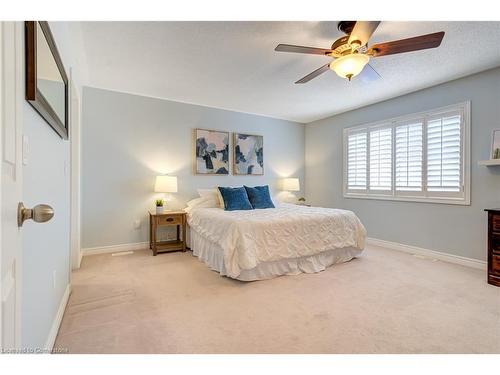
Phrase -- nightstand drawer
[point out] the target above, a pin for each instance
(495, 223)
(169, 220)
(495, 243)
(495, 264)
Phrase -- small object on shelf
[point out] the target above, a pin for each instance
(169, 218)
(302, 202)
(495, 144)
(159, 206)
(493, 246)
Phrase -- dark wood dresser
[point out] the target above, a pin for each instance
(494, 246)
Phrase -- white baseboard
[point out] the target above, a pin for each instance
(446, 257)
(115, 248)
(469, 262)
(51, 339)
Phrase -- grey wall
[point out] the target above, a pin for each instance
(459, 230)
(127, 140)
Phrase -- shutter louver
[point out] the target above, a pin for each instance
(381, 159)
(409, 152)
(356, 162)
(443, 154)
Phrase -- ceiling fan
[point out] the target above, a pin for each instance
(351, 53)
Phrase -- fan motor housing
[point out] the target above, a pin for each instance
(341, 45)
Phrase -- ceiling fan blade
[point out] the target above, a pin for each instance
(407, 45)
(314, 74)
(369, 74)
(302, 49)
(362, 31)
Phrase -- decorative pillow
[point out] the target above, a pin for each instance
(213, 193)
(202, 202)
(259, 196)
(235, 198)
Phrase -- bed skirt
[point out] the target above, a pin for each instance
(213, 256)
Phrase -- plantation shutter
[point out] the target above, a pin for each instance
(421, 157)
(381, 159)
(443, 153)
(408, 152)
(356, 161)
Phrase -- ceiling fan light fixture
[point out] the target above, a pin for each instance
(350, 65)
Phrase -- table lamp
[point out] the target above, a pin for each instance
(164, 184)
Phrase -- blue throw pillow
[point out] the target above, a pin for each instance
(259, 196)
(235, 198)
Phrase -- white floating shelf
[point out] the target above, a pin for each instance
(489, 163)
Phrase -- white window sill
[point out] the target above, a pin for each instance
(441, 200)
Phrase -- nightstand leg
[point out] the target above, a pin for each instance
(184, 239)
(155, 251)
(150, 232)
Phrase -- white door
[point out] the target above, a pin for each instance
(11, 99)
(75, 176)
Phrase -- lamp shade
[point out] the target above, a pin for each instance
(350, 65)
(291, 184)
(166, 184)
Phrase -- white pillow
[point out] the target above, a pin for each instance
(196, 201)
(207, 192)
(202, 202)
(213, 193)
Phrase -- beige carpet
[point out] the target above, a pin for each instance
(383, 302)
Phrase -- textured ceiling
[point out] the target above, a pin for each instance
(233, 65)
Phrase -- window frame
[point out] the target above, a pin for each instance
(424, 196)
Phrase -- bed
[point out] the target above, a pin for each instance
(263, 244)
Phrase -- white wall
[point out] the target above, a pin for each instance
(46, 180)
(128, 139)
(458, 230)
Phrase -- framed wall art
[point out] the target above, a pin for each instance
(211, 152)
(248, 154)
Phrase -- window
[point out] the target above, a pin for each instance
(409, 146)
(357, 161)
(381, 159)
(422, 157)
(443, 153)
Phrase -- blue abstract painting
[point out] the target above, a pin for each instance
(212, 152)
(248, 154)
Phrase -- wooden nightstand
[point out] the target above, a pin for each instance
(167, 218)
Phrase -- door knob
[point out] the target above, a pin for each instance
(40, 213)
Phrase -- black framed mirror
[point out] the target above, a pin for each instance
(46, 79)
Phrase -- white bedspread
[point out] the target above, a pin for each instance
(251, 237)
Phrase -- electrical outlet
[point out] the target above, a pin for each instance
(137, 224)
(54, 278)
